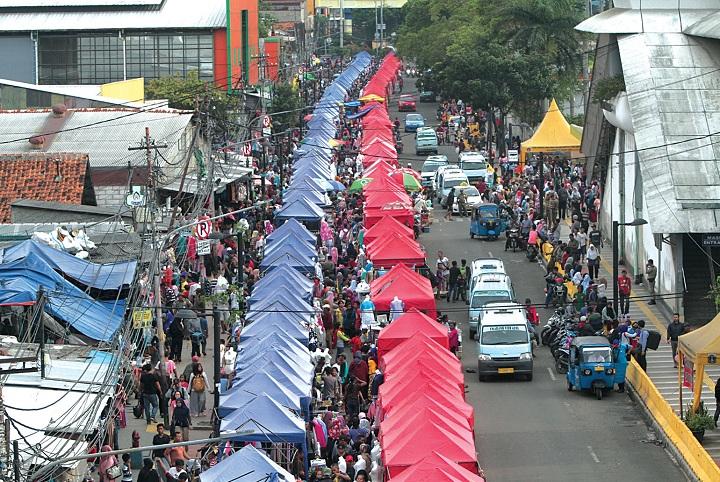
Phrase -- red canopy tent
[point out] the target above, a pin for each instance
(401, 211)
(379, 199)
(416, 444)
(447, 376)
(407, 326)
(379, 168)
(390, 402)
(437, 398)
(401, 281)
(384, 227)
(413, 413)
(395, 249)
(382, 184)
(420, 346)
(437, 468)
(393, 428)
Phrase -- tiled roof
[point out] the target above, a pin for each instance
(58, 177)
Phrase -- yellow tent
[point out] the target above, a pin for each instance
(695, 347)
(554, 134)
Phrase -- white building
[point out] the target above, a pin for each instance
(656, 142)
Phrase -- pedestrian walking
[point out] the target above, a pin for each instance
(641, 349)
(198, 389)
(150, 387)
(593, 261)
(148, 472)
(197, 336)
(181, 418)
(453, 281)
(674, 330)
(651, 274)
(624, 289)
(449, 201)
(717, 401)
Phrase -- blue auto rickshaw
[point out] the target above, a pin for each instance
(486, 222)
(591, 366)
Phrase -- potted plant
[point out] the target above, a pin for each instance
(698, 421)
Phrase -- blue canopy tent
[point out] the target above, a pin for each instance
(276, 306)
(288, 255)
(277, 323)
(293, 194)
(279, 290)
(323, 152)
(300, 209)
(285, 370)
(265, 420)
(21, 279)
(291, 240)
(111, 276)
(266, 289)
(246, 465)
(295, 226)
(245, 389)
(287, 298)
(283, 373)
(287, 275)
(279, 341)
(310, 169)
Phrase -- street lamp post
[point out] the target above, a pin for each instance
(616, 256)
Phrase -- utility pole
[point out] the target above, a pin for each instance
(342, 23)
(40, 311)
(150, 205)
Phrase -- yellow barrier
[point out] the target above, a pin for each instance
(690, 449)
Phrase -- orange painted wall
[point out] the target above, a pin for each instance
(220, 59)
(272, 58)
(242, 60)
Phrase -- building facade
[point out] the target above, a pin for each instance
(101, 41)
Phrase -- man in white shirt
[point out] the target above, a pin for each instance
(443, 268)
(175, 471)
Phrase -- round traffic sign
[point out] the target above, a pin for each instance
(203, 228)
(266, 121)
(247, 149)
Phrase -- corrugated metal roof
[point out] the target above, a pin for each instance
(104, 134)
(77, 3)
(673, 85)
(174, 14)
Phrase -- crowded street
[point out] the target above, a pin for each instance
(264, 242)
(533, 430)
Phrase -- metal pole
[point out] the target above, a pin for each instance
(342, 23)
(621, 178)
(616, 262)
(382, 24)
(16, 460)
(217, 333)
(41, 314)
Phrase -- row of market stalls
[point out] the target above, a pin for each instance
(426, 427)
(270, 398)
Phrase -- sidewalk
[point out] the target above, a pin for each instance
(201, 425)
(660, 362)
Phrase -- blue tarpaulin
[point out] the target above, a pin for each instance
(297, 244)
(279, 291)
(299, 193)
(286, 275)
(112, 276)
(20, 281)
(248, 460)
(286, 297)
(287, 255)
(261, 309)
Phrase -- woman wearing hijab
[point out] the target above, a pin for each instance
(181, 417)
(109, 468)
(593, 261)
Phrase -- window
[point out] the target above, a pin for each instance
(80, 59)
(153, 55)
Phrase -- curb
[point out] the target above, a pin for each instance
(667, 443)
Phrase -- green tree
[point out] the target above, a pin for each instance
(286, 105)
(191, 93)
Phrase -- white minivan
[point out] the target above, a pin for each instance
(482, 266)
(448, 179)
(487, 288)
(473, 165)
(504, 342)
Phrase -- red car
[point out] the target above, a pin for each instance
(406, 103)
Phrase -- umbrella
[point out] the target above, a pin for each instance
(409, 182)
(359, 184)
(352, 103)
(410, 171)
(371, 98)
(337, 185)
(185, 314)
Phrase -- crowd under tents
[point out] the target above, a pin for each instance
(273, 361)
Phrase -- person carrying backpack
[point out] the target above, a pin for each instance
(198, 386)
(197, 336)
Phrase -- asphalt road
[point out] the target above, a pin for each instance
(538, 430)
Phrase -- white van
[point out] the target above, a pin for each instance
(504, 342)
(448, 179)
(487, 288)
(473, 165)
(482, 266)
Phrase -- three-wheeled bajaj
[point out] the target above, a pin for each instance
(486, 222)
(591, 365)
